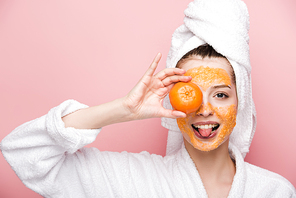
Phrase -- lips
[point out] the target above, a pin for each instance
(205, 130)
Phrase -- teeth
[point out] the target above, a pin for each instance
(207, 126)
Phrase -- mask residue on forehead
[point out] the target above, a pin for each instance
(206, 76)
(227, 117)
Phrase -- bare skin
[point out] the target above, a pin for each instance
(145, 101)
(215, 168)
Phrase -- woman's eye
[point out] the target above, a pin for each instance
(221, 95)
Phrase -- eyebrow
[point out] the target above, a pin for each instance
(221, 86)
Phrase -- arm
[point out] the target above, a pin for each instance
(43, 153)
(37, 150)
(143, 101)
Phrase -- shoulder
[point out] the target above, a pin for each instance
(261, 173)
(268, 180)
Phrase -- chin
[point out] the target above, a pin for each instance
(208, 146)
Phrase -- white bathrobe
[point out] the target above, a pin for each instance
(50, 159)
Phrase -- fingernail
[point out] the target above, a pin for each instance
(182, 115)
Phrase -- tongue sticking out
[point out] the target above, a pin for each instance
(205, 132)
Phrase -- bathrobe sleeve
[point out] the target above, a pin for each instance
(52, 161)
(37, 150)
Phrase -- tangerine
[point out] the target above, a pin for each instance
(185, 97)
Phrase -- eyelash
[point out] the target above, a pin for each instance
(224, 95)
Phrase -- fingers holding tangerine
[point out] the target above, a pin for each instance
(169, 72)
(175, 79)
(185, 97)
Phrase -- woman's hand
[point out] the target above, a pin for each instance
(145, 99)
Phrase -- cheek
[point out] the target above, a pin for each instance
(185, 128)
(227, 117)
(183, 124)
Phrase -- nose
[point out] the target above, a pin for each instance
(205, 110)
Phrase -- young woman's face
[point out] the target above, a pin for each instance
(211, 125)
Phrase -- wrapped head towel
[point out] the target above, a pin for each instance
(223, 24)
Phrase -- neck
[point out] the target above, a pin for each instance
(213, 166)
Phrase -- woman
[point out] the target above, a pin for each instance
(48, 155)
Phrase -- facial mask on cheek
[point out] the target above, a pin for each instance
(227, 121)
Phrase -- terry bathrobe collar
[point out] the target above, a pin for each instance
(239, 180)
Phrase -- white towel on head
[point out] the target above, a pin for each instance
(223, 24)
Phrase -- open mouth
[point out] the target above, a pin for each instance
(205, 130)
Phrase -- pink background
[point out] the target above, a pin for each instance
(95, 51)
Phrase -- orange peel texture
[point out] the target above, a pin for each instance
(185, 97)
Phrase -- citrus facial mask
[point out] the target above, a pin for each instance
(223, 114)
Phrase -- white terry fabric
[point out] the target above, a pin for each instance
(50, 160)
(223, 24)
